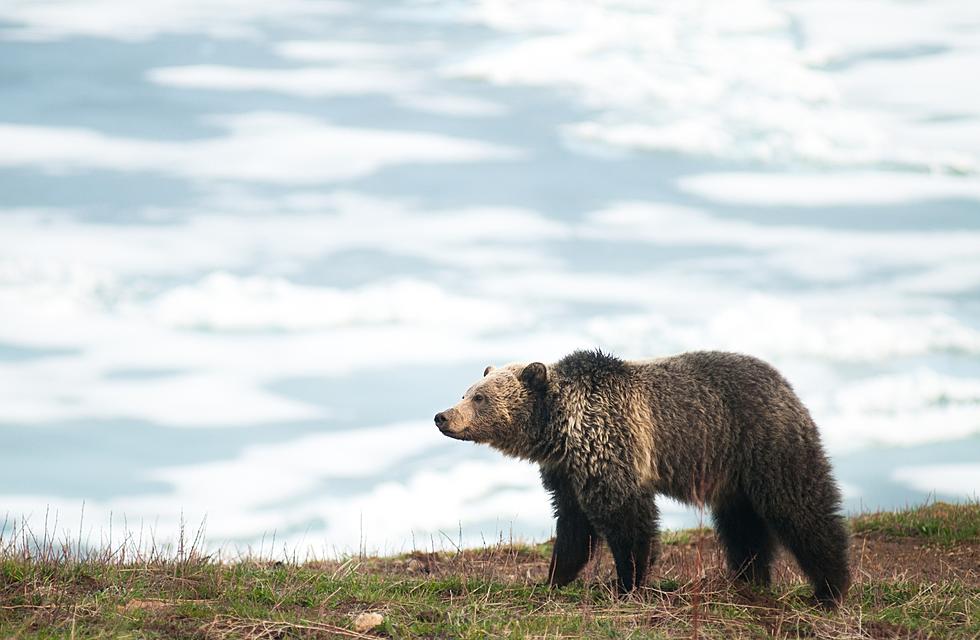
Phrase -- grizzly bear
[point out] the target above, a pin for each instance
(713, 429)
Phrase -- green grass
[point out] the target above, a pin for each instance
(249, 600)
(495, 592)
(683, 536)
(939, 522)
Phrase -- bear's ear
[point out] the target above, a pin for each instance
(487, 370)
(534, 376)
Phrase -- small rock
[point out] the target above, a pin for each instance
(367, 621)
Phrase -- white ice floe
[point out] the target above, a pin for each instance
(775, 328)
(750, 79)
(225, 302)
(903, 409)
(283, 233)
(898, 393)
(406, 86)
(414, 87)
(943, 279)
(450, 104)
(264, 476)
(305, 81)
(133, 21)
(72, 391)
(829, 189)
(259, 146)
(836, 31)
(956, 480)
(439, 500)
(347, 51)
(346, 68)
(810, 252)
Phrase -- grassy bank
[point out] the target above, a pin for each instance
(915, 576)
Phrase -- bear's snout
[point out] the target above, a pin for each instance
(444, 422)
(448, 422)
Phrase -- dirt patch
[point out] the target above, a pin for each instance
(908, 559)
(915, 559)
(146, 605)
(226, 627)
(879, 630)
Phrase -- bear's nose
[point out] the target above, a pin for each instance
(440, 419)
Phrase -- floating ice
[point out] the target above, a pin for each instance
(828, 189)
(958, 480)
(751, 80)
(406, 86)
(306, 82)
(133, 21)
(225, 302)
(295, 150)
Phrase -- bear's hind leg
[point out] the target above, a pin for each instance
(632, 535)
(747, 540)
(575, 538)
(802, 510)
(821, 549)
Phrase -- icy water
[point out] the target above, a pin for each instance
(248, 249)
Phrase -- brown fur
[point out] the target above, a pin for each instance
(716, 429)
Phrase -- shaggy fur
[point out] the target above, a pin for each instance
(709, 428)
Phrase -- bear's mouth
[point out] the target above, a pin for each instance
(455, 435)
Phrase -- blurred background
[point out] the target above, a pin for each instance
(249, 248)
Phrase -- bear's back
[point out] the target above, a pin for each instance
(745, 384)
(711, 411)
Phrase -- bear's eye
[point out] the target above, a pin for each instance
(478, 398)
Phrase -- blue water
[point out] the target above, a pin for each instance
(234, 293)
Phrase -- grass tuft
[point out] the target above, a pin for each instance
(939, 522)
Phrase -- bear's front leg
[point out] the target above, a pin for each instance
(575, 538)
(631, 530)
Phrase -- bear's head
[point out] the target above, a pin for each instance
(500, 409)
